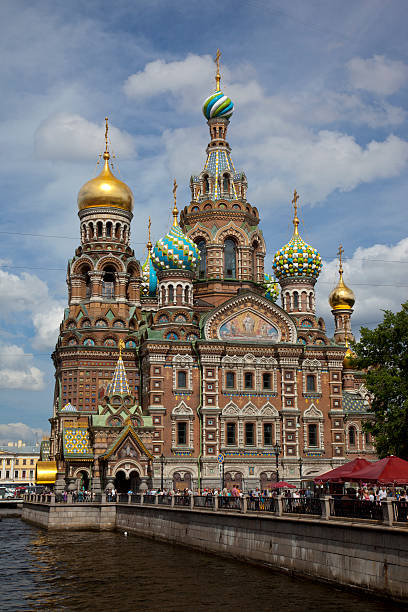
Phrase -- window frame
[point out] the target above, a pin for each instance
(233, 426)
(184, 424)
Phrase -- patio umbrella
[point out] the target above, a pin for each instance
(343, 473)
(283, 485)
(390, 470)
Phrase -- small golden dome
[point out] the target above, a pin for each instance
(105, 190)
(348, 361)
(341, 296)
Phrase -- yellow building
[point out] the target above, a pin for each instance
(17, 464)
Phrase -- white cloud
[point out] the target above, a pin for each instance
(28, 293)
(70, 137)
(17, 370)
(378, 74)
(12, 432)
(377, 277)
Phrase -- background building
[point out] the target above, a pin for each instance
(18, 464)
(161, 367)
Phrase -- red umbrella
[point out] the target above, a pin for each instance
(283, 485)
(390, 470)
(343, 473)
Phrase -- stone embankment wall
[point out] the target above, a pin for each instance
(368, 556)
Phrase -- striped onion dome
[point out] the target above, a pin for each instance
(218, 105)
(149, 278)
(175, 252)
(297, 259)
(271, 288)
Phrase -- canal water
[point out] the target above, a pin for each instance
(93, 571)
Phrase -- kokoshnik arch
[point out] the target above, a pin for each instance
(163, 366)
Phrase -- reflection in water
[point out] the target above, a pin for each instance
(84, 571)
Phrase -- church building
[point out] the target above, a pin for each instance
(199, 354)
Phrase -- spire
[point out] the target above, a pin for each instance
(149, 245)
(175, 211)
(119, 384)
(295, 218)
(218, 75)
(106, 155)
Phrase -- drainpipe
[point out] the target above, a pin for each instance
(200, 416)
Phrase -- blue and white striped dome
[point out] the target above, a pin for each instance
(175, 252)
(218, 105)
(149, 278)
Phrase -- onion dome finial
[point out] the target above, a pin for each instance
(149, 276)
(105, 189)
(342, 297)
(297, 258)
(218, 104)
(175, 251)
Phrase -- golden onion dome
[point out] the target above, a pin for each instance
(105, 190)
(341, 296)
(348, 361)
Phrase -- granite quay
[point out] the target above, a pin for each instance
(309, 538)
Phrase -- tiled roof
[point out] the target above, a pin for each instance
(76, 443)
(119, 384)
(354, 403)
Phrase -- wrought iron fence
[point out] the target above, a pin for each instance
(262, 504)
(400, 509)
(203, 501)
(164, 500)
(135, 498)
(230, 503)
(149, 499)
(182, 500)
(356, 508)
(302, 505)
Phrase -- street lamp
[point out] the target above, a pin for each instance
(162, 459)
(276, 449)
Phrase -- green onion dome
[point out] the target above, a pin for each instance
(271, 288)
(218, 105)
(175, 252)
(297, 259)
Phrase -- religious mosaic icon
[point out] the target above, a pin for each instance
(248, 326)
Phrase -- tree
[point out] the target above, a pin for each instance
(383, 354)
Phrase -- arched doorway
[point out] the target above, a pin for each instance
(83, 480)
(267, 480)
(121, 482)
(232, 479)
(134, 481)
(181, 481)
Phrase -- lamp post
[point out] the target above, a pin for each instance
(276, 449)
(162, 458)
(300, 461)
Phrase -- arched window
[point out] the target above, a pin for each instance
(91, 230)
(310, 382)
(99, 228)
(88, 285)
(109, 229)
(295, 300)
(255, 260)
(310, 301)
(225, 183)
(352, 436)
(186, 295)
(206, 185)
(171, 293)
(202, 267)
(230, 258)
(108, 283)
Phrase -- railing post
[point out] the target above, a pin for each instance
(141, 499)
(52, 498)
(388, 511)
(215, 503)
(172, 501)
(279, 505)
(69, 498)
(244, 504)
(103, 498)
(129, 498)
(156, 500)
(325, 502)
(191, 502)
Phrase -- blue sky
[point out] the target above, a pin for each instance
(320, 93)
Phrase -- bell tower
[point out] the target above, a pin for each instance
(342, 300)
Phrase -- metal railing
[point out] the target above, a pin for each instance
(356, 508)
(164, 500)
(203, 501)
(149, 499)
(302, 505)
(400, 511)
(182, 500)
(230, 503)
(262, 504)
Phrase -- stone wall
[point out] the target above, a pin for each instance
(101, 517)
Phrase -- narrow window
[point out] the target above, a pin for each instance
(310, 382)
(99, 228)
(181, 433)
(249, 434)
(108, 284)
(312, 433)
(230, 380)
(109, 229)
(248, 380)
(171, 293)
(230, 258)
(231, 434)
(186, 295)
(181, 379)
(206, 185)
(367, 438)
(202, 267)
(296, 300)
(266, 379)
(267, 428)
(352, 436)
(225, 183)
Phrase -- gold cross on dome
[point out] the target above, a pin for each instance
(218, 75)
(106, 134)
(340, 253)
(175, 211)
(294, 201)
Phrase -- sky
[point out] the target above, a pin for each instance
(320, 94)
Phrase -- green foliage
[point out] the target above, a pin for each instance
(383, 353)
